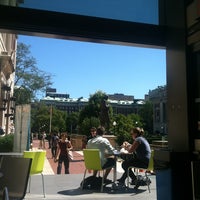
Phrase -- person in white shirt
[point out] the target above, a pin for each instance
(105, 148)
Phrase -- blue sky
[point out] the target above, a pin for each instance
(82, 68)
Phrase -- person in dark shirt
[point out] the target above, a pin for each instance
(54, 143)
(64, 145)
(141, 153)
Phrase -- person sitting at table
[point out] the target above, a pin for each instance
(139, 154)
(105, 148)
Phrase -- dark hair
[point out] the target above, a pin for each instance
(100, 130)
(93, 129)
(63, 134)
(139, 131)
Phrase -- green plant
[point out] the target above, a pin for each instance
(6, 143)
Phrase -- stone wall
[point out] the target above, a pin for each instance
(78, 141)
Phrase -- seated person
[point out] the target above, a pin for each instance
(140, 157)
(105, 147)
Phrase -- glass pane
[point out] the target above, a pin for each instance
(143, 11)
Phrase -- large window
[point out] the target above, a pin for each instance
(143, 11)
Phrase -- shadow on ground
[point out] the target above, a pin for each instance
(107, 190)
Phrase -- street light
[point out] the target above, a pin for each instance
(114, 124)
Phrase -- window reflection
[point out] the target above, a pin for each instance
(142, 11)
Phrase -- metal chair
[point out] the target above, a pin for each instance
(92, 159)
(38, 159)
(15, 173)
(146, 171)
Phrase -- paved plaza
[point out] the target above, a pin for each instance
(68, 187)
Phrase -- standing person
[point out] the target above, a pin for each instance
(54, 143)
(64, 145)
(105, 147)
(49, 138)
(40, 140)
(141, 154)
(44, 135)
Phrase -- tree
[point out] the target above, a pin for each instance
(29, 79)
(72, 122)
(40, 119)
(86, 125)
(146, 113)
(96, 110)
(122, 128)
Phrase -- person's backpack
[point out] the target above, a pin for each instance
(92, 183)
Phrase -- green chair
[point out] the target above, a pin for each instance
(146, 171)
(38, 159)
(92, 159)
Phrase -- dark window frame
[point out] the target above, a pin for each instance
(33, 22)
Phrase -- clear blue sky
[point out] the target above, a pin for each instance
(82, 68)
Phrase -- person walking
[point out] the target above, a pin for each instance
(64, 145)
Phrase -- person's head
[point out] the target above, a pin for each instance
(100, 130)
(136, 132)
(63, 136)
(93, 132)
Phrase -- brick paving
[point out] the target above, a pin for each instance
(75, 167)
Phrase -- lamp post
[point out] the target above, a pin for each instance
(114, 124)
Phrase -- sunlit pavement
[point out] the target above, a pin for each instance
(68, 187)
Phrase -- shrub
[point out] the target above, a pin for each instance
(6, 143)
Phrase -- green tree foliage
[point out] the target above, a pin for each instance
(122, 128)
(29, 79)
(93, 109)
(40, 119)
(72, 122)
(58, 120)
(87, 123)
(146, 113)
(6, 143)
(124, 125)
(23, 95)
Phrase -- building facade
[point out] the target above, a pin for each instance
(121, 104)
(8, 45)
(158, 98)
